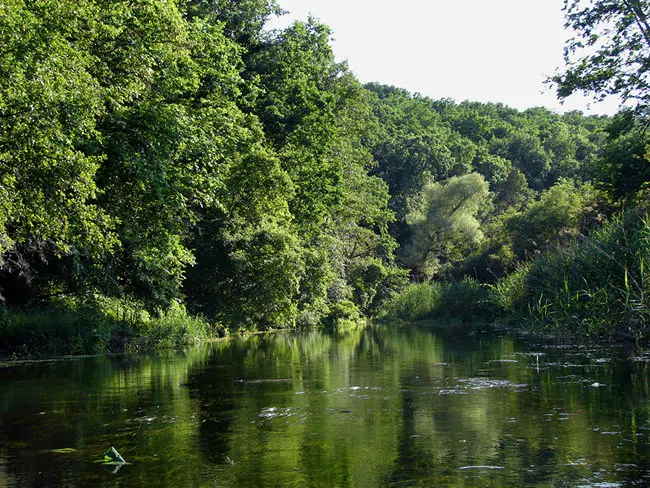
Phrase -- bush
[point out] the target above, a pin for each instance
(416, 301)
(373, 282)
(343, 315)
(50, 332)
(466, 300)
(508, 292)
(171, 328)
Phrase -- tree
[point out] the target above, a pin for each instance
(527, 153)
(610, 51)
(623, 167)
(554, 218)
(445, 227)
(242, 20)
(169, 134)
(49, 104)
(315, 116)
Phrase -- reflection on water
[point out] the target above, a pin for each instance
(378, 407)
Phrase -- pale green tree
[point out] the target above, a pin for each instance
(444, 224)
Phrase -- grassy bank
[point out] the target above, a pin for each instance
(463, 300)
(596, 287)
(97, 327)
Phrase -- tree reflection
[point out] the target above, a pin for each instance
(373, 407)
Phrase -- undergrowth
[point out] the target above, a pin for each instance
(103, 325)
(596, 287)
(464, 300)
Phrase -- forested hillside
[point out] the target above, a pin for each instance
(169, 159)
(482, 181)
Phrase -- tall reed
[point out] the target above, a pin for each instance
(597, 286)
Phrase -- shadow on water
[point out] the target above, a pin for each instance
(448, 406)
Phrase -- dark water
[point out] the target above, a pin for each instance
(381, 407)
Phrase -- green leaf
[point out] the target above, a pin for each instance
(111, 455)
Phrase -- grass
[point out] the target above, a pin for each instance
(464, 300)
(101, 326)
(598, 286)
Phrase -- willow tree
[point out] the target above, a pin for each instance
(445, 224)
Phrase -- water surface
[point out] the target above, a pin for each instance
(376, 407)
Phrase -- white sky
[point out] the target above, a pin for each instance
(480, 50)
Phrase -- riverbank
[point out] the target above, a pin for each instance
(104, 326)
(595, 288)
(100, 326)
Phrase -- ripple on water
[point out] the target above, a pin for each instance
(452, 392)
(601, 484)
(486, 383)
(577, 462)
(353, 390)
(472, 385)
(270, 413)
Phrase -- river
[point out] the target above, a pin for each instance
(376, 407)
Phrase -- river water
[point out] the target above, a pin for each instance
(376, 407)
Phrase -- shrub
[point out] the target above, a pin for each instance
(343, 315)
(94, 327)
(416, 301)
(465, 299)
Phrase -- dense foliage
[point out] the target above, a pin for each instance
(566, 233)
(609, 51)
(167, 153)
(175, 156)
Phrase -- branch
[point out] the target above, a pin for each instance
(640, 19)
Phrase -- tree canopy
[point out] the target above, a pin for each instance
(168, 153)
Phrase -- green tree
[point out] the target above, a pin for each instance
(49, 105)
(554, 218)
(243, 20)
(623, 166)
(314, 115)
(169, 134)
(445, 226)
(609, 54)
(411, 145)
(527, 153)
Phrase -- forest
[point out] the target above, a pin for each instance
(171, 170)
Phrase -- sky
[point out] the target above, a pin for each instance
(479, 50)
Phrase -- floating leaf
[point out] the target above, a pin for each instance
(65, 450)
(112, 455)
